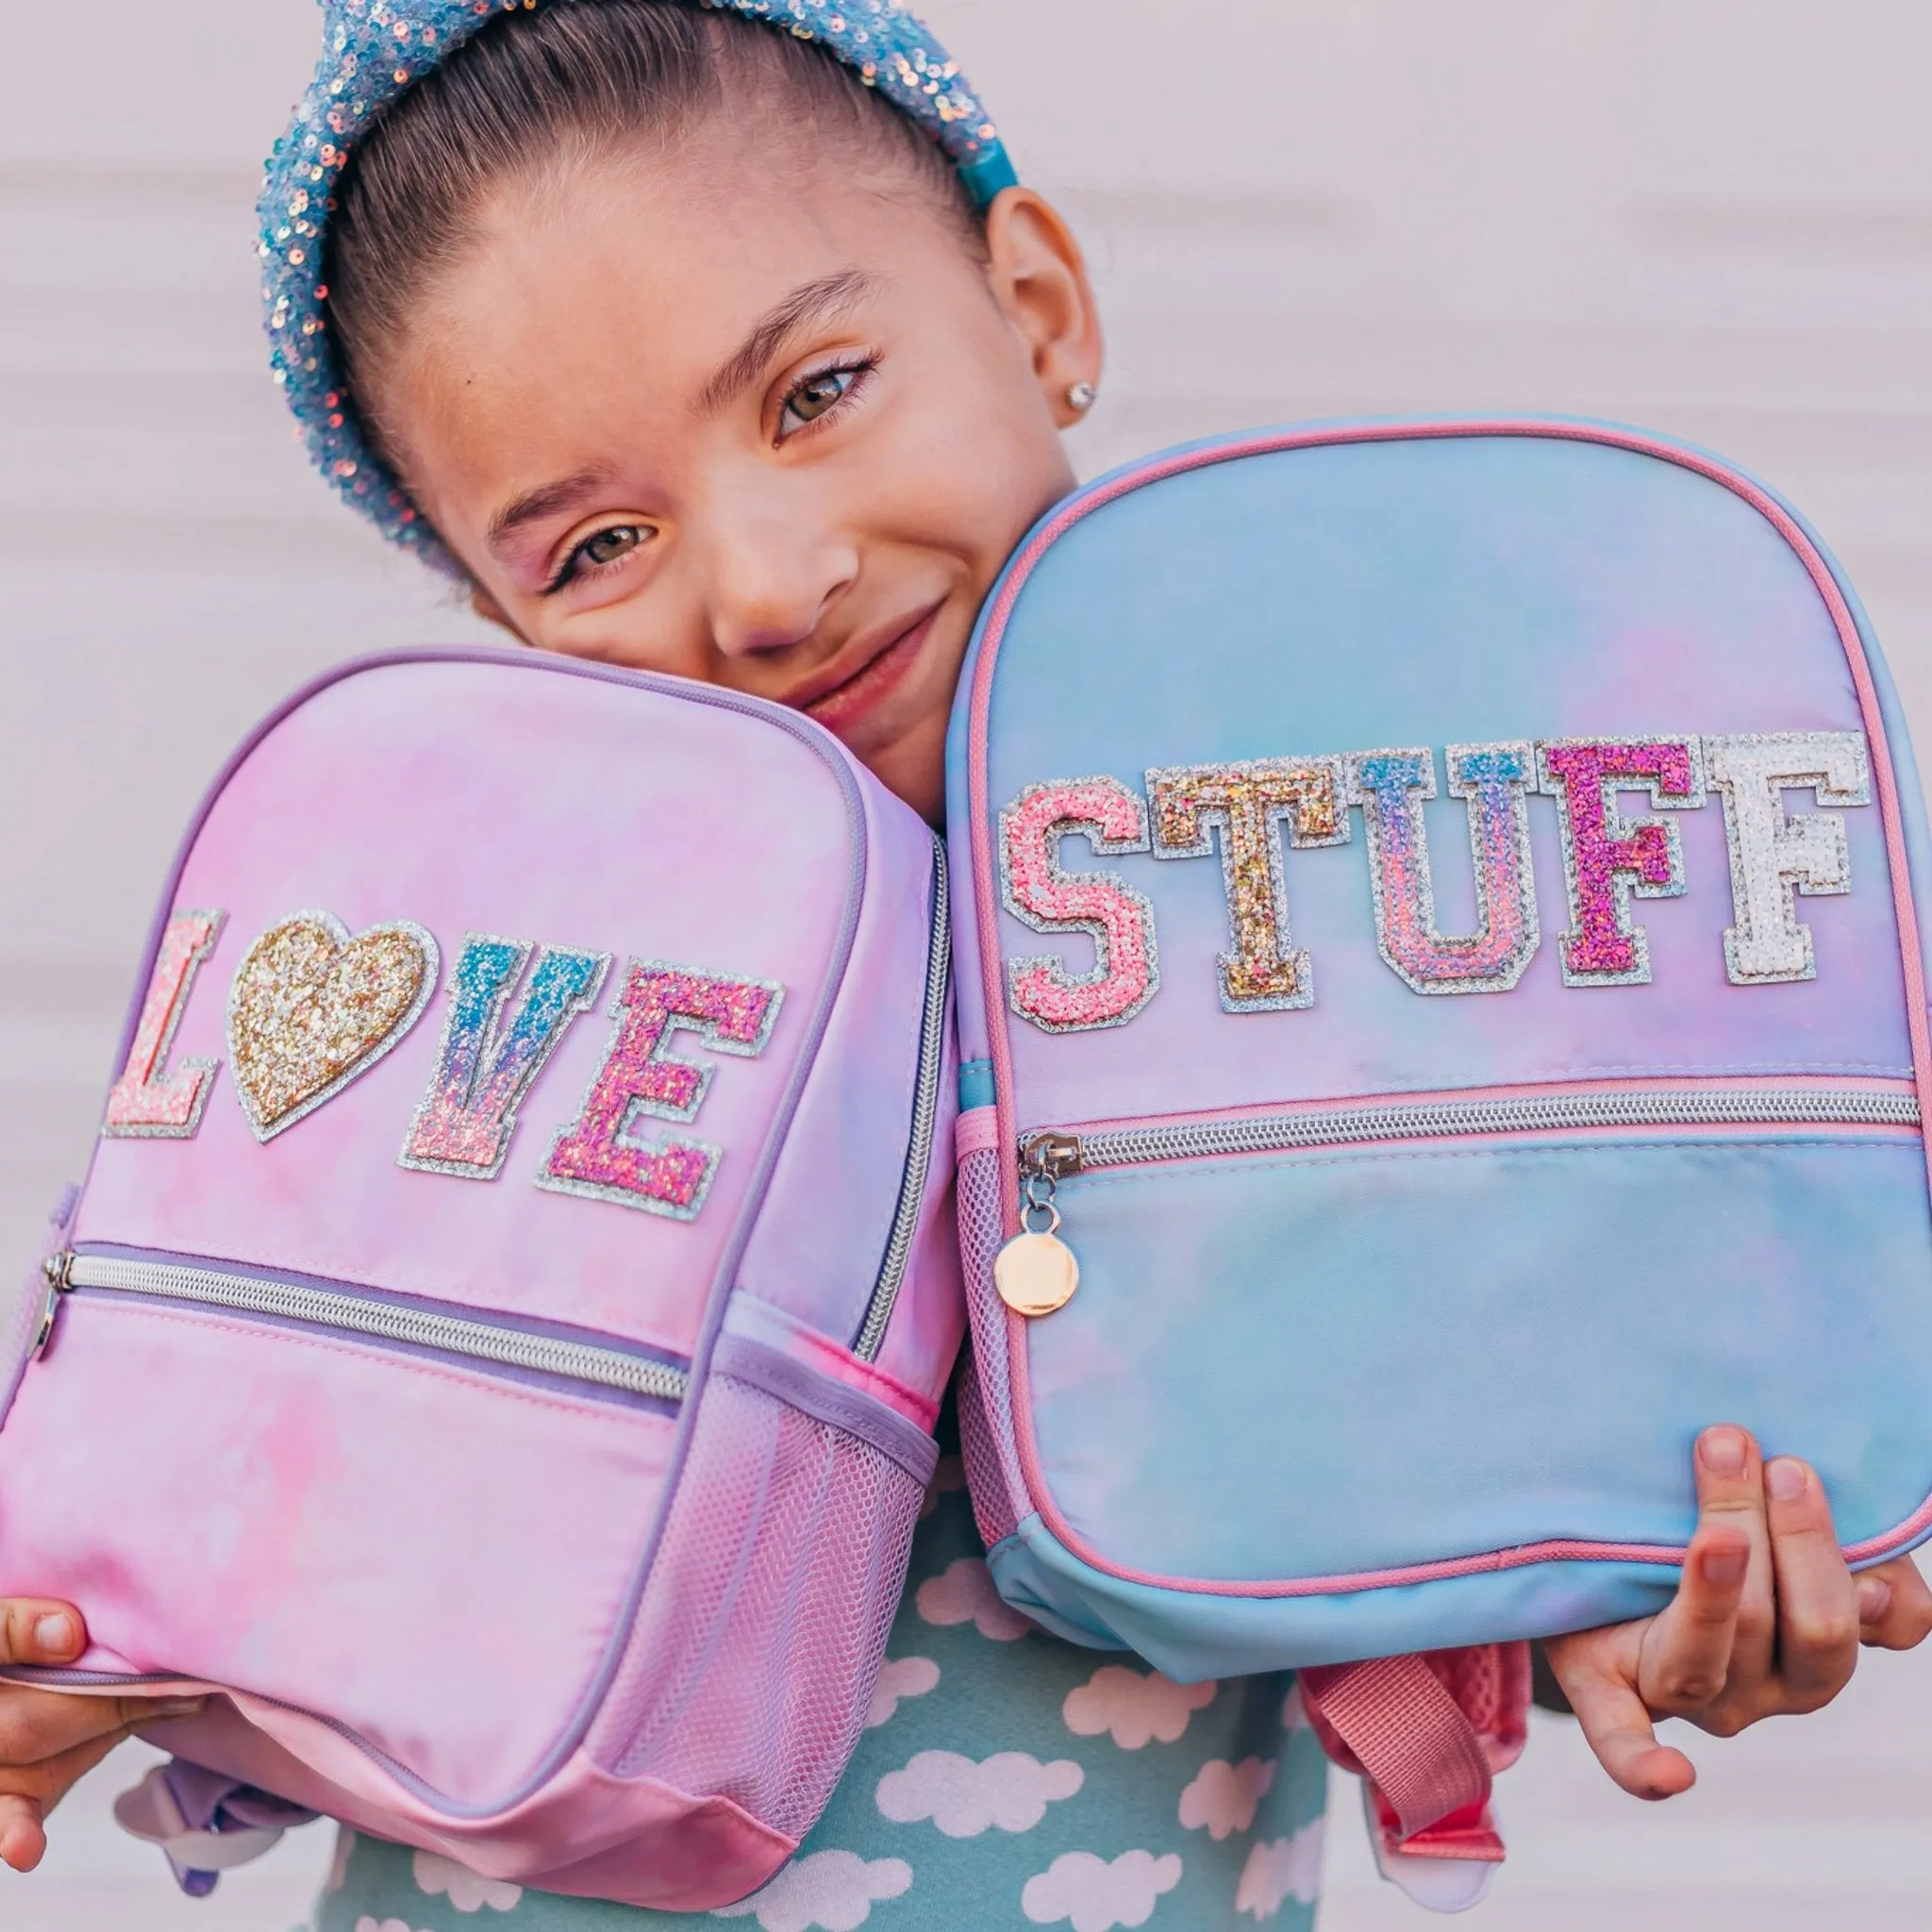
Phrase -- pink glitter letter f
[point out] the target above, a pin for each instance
(1608, 860)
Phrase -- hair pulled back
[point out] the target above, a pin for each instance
(572, 80)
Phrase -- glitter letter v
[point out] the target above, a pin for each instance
(484, 1068)
(597, 1156)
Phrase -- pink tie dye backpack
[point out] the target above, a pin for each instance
(497, 1346)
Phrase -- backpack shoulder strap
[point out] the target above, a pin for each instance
(1428, 1733)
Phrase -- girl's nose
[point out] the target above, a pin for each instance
(774, 579)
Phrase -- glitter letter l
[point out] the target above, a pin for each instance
(484, 1068)
(1246, 805)
(147, 1101)
(1391, 786)
(1606, 860)
(1773, 855)
(597, 1156)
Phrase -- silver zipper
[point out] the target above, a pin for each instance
(1060, 1153)
(926, 1108)
(324, 1307)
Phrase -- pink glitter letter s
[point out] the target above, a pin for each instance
(595, 1155)
(1608, 860)
(147, 1101)
(1037, 890)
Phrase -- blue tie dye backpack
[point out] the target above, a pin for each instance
(1444, 1021)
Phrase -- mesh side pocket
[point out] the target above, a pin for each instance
(986, 1402)
(992, 1511)
(759, 1638)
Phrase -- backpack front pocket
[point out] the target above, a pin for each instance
(1329, 1349)
(316, 1490)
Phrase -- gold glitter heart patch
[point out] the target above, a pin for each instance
(313, 1007)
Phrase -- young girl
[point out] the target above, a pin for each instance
(736, 353)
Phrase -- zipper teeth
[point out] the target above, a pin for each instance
(322, 1308)
(925, 1106)
(1428, 1120)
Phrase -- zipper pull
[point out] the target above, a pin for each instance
(1036, 1272)
(58, 1269)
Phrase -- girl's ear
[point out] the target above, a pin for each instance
(1039, 279)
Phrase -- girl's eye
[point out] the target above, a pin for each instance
(599, 551)
(607, 546)
(817, 397)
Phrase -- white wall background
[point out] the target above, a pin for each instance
(1711, 217)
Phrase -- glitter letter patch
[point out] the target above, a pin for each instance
(1246, 804)
(1037, 890)
(1774, 856)
(148, 1102)
(1391, 786)
(484, 1068)
(597, 1156)
(1606, 860)
(313, 1009)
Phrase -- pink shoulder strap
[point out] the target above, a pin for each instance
(1428, 1733)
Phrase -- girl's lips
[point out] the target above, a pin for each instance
(842, 707)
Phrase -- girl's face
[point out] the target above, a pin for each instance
(739, 418)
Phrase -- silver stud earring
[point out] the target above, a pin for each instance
(1081, 395)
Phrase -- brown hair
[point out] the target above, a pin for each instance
(573, 79)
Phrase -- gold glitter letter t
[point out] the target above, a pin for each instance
(1246, 804)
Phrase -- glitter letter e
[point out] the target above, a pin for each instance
(597, 1156)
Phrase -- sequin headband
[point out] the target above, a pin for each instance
(373, 50)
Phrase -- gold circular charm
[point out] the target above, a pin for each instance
(1036, 1273)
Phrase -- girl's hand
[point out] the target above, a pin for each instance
(1767, 1621)
(48, 1739)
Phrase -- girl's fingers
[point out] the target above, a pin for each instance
(1618, 1730)
(39, 1726)
(34, 1630)
(28, 1794)
(1817, 1600)
(22, 1837)
(1723, 1605)
(1730, 1489)
(1894, 1606)
(1687, 1650)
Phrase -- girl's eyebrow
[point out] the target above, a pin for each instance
(816, 301)
(547, 500)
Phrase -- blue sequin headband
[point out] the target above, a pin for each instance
(373, 50)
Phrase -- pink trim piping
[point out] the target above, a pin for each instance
(778, 1328)
(987, 920)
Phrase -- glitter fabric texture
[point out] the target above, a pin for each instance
(1775, 856)
(313, 1009)
(484, 1068)
(1037, 890)
(1606, 859)
(1247, 804)
(1495, 779)
(595, 1155)
(149, 1101)
(373, 50)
